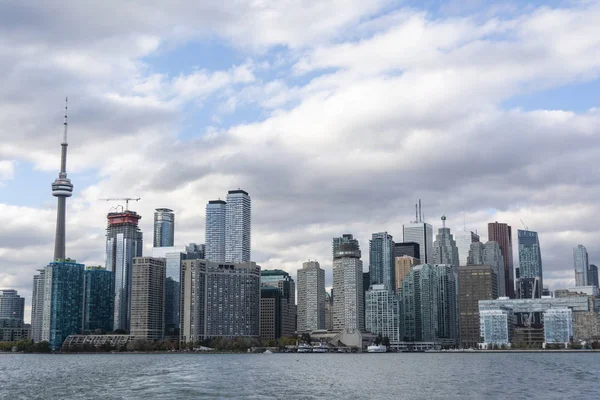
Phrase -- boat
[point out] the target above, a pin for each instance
(375, 348)
(305, 348)
(267, 351)
(320, 348)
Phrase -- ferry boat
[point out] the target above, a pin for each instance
(305, 348)
(374, 348)
(320, 348)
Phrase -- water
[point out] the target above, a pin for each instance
(301, 376)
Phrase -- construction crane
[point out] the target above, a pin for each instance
(126, 199)
(525, 226)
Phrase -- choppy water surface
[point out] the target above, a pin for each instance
(301, 376)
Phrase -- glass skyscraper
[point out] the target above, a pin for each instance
(164, 227)
(63, 301)
(215, 230)
(12, 305)
(530, 264)
(98, 299)
(421, 233)
(237, 226)
(592, 275)
(381, 260)
(502, 234)
(580, 260)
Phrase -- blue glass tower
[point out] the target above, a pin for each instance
(98, 299)
(381, 260)
(530, 265)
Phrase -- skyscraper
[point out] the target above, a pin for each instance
(404, 265)
(62, 188)
(124, 241)
(489, 254)
(215, 230)
(348, 301)
(381, 260)
(284, 313)
(12, 306)
(37, 306)
(592, 275)
(502, 234)
(530, 264)
(463, 240)
(237, 227)
(580, 260)
(444, 247)
(382, 315)
(411, 249)
(173, 256)
(98, 299)
(195, 251)
(148, 298)
(311, 297)
(421, 233)
(164, 227)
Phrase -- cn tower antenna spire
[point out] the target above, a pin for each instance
(65, 124)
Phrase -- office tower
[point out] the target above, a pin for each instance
(592, 275)
(404, 265)
(173, 258)
(366, 286)
(195, 251)
(237, 226)
(347, 240)
(580, 260)
(489, 254)
(270, 313)
(382, 315)
(12, 306)
(148, 298)
(530, 265)
(63, 301)
(475, 282)
(411, 249)
(164, 227)
(348, 302)
(381, 260)
(430, 304)
(219, 300)
(62, 188)
(421, 233)
(311, 297)
(37, 306)
(285, 312)
(124, 241)
(502, 234)
(329, 311)
(463, 240)
(215, 230)
(444, 247)
(98, 299)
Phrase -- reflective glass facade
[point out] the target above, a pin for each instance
(381, 260)
(98, 300)
(238, 227)
(215, 230)
(164, 227)
(581, 263)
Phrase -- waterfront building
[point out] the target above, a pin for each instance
(271, 302)
(592, 275)
(37, 306)
(237, 226)
(195, 251)
(285, 310)
(586, 322)
(219, 299)
(475, 282)
(173, 256)
(381, 260)
(12, 306)
(14, 330)
(215, 230)
(403, 266)
(382, 314)
(558, 326)
(444, 247)
(422, 233)
(530, 280)
(489, 254)
(502, 234)
(148, 298)
(164, 227)
(580, 260)
(328, 312)
(63, 301)
(429, 304)
(497, 327)
(98, 299)
(463, 240)
(311, 297)
(124, 241)
(411, 249)
(348, 302)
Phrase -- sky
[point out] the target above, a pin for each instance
(335, 116)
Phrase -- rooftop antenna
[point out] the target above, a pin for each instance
(65, 124)
(416, 213)
(443, 222)
(420, 212)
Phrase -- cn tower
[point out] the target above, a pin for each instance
(62, 188)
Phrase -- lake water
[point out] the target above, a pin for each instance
(301, 376)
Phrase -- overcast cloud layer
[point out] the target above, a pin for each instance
(335, 115)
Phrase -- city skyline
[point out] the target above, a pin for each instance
(253, 106)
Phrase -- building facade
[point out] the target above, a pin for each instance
(410, 249)
(404, 264)
(348, 299)
(421, 233)
(37, 305)
(530, 282)
(383, 314)
(311, 297)
(501, 233)
(124, 241)
(558, 326)
(497, 327)
(238, 227)
(444, 247)
(148, 298)
(592, 275)
(215, 230)
(98, 299)
(286, 316)
(164, 227)
(63, 301)
(12, 306)
(581, 263)
(173, 256)
(463, 240)
(381, 260)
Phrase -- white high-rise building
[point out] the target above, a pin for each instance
(237, 226)
(311, 297)
(37, 306)
(463, 240)
(581, 263)
(422, 233)
(382, 314)
(215, 231)
(348, 294)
